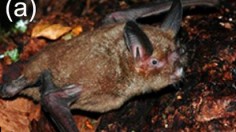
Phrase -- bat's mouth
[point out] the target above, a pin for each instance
(174, 59)
(178, 74)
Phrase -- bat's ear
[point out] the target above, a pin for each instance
(137, 41)
(172, 22)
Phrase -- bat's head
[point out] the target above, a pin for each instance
(153, 49)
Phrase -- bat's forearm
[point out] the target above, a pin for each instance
(153, 9)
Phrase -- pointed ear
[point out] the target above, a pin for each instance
(173, 20)
(137, 41)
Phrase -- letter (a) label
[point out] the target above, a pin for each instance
(21, 9)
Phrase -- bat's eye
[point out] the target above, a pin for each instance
(156, 63)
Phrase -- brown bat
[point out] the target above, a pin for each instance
(100, 70)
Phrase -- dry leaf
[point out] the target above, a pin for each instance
(49, 31)
(77, 30)
(39, 28)
(7, 60)
(85, 124)
(16, 115)
(32, 47)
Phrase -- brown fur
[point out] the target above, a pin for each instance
(100, 62)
